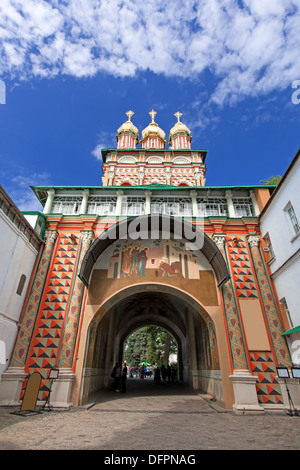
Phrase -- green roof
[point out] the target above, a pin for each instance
(293, 330)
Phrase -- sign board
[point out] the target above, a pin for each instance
(31, 392)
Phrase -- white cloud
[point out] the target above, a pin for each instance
(97, 152)
(251, 47)
(105, 140)
(18, 182)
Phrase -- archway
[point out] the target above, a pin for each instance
(175, 311)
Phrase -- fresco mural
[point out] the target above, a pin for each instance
(167, 258)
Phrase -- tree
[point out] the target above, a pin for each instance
(151, 344)
(272, 180)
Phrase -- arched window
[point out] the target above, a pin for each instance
(21, 284)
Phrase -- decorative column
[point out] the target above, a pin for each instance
(49, 202)
(120, 194)
(69, 337)
(231, 310)
(254, 203)
(13, 378)
(231, 211)
(148, 202)
(141, 175)
(168, 175)
(197, 176)
(111, 175)
(272, 315)
(242, 379)
(84, 202)
(61, 391)
(193, 195)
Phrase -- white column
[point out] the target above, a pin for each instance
(84, 202)
(254, 203)
(49, 202)
(120, 194)
(141, 176)
(111, 175)
(193, 195)
(148, 202)
(168, 175)
(228, 196)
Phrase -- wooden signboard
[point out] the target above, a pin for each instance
(31, 392)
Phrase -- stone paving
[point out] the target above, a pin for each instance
(165, 417)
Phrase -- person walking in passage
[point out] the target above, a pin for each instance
(123, 378)
(116, 374)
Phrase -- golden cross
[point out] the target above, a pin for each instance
(178, 115)
(153, 114)
(129, 114)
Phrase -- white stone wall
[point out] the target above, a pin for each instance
(285, 266)
(17, 257)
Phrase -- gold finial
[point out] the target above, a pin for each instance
(153, 114)
(129, 114)
(178, 115)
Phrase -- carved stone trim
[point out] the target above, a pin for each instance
(50, 236)
(219, 240)
(87, 236)
(253, 240)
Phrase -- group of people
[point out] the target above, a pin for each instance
(161, 375)
(141, 371)
(165, 374)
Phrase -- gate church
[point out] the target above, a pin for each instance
(96, 280)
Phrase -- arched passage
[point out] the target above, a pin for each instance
(161, 305)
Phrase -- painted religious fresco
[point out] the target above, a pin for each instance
(165, 258)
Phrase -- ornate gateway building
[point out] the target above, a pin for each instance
(152, 246)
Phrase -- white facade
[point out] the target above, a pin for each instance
(18, 251)
(281, 230)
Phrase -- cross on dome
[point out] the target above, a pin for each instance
(129, 114)
(178, 115)
(153, 114)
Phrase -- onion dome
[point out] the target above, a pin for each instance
(128, 134)
(180, 135)
(153, 136)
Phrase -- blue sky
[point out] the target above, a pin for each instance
(71, 69)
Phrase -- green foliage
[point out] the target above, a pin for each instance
(149, 344)
(272, 180)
